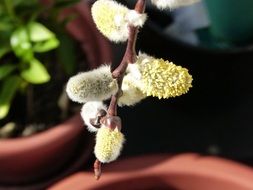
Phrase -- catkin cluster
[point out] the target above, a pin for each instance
(148, 76)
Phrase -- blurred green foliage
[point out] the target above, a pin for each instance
(23, 39)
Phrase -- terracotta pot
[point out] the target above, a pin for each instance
(43, 159)
(30, 159)
(179, 172)
(33, 159)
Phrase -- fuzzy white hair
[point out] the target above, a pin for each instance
(90, 111)
(172, 4)
(136, 19)
(112, 19)
(131, 88)
(94, 85)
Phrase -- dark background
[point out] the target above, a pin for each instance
(215, 117)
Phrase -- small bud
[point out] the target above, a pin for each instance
(132, 94)
(161, 78)
(112, 122)
(95, 85)
(93, 111)
(112, 19)
(172, 4)
(109, 143)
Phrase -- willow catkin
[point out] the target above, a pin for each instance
(161, 78)
(112, 19)
(131, 92)
(94, 85)
(109, 144)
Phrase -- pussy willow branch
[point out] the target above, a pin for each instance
(129, 57)
(97, 169)
(119, 72)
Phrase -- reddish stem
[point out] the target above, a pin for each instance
(97, 169)
(119, 72)
(129, 57)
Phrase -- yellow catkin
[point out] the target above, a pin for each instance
(108, 144)
(163, 79)
(109, 17)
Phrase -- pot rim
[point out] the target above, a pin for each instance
(67, 130)
(180, 171)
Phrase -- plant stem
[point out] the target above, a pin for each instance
(129, 57)
(119, 72)
(97, 169)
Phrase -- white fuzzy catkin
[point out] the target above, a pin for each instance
(136, 19)
(112, 19)
(172, 4)
(132, 93)
(89, 111)
(94, 85)
(109, 144)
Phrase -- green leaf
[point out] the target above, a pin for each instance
(24, 3)
(39, 32)
(21, 44)
(6, 69)
(46, 45)
(7, 93)
(1, 9)
(36, 73)
(66, 53)
(4, 50)
(6, 23)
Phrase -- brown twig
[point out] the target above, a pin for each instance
(97, 169)
(129, 57)
(119, 72)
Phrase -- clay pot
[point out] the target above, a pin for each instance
(29, 159)
(45, 156)
(179, 172)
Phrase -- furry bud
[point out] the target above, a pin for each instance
(95, 85)
(132, 94)
(112, 19)
(92, 111)
(109, 143)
